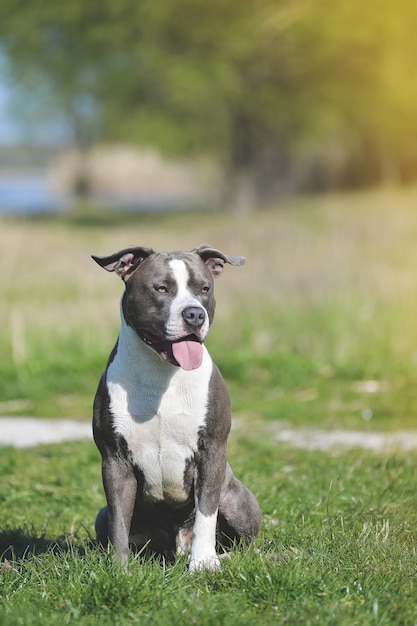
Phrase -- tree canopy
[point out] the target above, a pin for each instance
(287, 93)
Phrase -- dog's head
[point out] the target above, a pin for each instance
(169, 298)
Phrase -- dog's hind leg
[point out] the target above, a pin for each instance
(102, 527)
(239, 513)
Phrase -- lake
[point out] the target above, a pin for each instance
(29, 192)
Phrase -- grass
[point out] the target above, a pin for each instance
(325, 303)
(318, 329)
(336, 547)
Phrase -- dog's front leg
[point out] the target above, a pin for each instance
(209, 479)
(120, 486)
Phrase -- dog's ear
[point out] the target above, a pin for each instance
(125, 261)
(215, 260)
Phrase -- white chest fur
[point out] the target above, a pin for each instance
(158, 409)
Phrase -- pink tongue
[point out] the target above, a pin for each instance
(188, 354)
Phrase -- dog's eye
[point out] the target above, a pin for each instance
(205, 289)
(161, 288)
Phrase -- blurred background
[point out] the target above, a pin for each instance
(281, 130)
(187, 103)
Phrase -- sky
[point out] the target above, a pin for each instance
(52, 132)
(9, 130)
(14, 132)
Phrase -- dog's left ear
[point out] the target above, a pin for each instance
(124, 262)
(215, 260)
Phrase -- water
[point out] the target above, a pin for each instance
(29, 193)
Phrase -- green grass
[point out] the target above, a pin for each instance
(326, 301)
(337, 545)
(318, 330)
(315, 368)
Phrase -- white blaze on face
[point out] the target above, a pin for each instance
(175, 326)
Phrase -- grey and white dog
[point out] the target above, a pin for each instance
(162, 414)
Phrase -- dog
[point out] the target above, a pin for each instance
(161, 415)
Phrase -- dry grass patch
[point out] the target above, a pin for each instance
(325, 300)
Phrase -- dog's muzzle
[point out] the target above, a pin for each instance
(186, 352)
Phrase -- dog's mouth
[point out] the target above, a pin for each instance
(186, 352)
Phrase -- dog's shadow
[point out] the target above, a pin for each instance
(22, 544)
(18, 544)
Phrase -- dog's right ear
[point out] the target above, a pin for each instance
(125, 261)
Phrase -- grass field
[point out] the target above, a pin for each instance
(318, 329)
(326, 301)
(338, 545)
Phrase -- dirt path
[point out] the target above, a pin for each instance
(22, 432)
(315, 439)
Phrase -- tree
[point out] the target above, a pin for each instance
(265, 88)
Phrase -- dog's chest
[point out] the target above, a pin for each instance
(160, 419)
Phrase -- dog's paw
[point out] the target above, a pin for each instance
(209, 562)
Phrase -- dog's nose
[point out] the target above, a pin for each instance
(194, 316)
